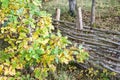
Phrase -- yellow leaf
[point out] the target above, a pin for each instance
(64, 60)
(3, 78)
(19, 66)
(35, 35)
(13, 29)
(11, 71)
(52, 67)
(7, 64)
(6, 71)
(1, 68)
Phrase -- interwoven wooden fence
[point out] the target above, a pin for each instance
(103, 45)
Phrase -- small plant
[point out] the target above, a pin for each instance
(33, 50)
(93, 74)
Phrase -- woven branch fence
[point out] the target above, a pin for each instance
(103, 45)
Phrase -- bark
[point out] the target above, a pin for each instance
(72, 7)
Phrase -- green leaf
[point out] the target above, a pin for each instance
(75, 52)
(43, 13)
(55, 50)
(37, 73)
(59, 34)
(80, 47)
(35, 56)
(4, 56)
(32, 24)
(5, 3)
(22, 35)
(27, 57)
(57, 60)
(39, 51)
(20, 11)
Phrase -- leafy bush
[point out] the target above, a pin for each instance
(32, 49)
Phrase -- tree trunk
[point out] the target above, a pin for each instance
(72, 7)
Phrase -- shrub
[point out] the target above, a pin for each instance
(32, 49)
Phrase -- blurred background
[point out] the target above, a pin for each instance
(107, 12)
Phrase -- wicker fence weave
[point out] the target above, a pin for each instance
(103, 45)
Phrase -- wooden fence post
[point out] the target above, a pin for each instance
(79, 23)
(57, 15)
(92, 13)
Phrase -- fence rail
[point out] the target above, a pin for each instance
(103, 45)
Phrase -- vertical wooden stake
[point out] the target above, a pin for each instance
(92, 13)
(79, 23)
(57, 15)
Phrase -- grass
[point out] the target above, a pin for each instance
(85, 4)
(52, 5)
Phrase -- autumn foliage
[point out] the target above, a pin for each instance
(32, 49)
